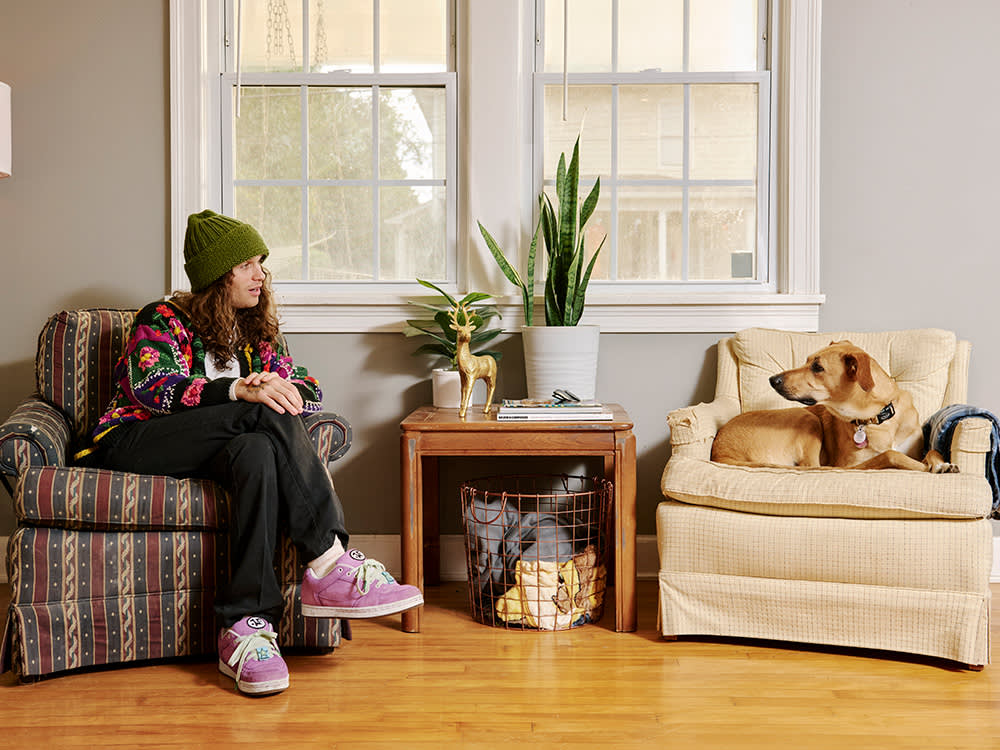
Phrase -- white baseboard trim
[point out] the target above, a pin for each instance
(385, 547)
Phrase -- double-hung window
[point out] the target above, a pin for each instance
(676, 122)
(687, 111)
(365, 139)
(337, 121)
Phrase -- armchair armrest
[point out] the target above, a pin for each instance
(35, 434)
(693, 428)
(970, 445)
(330, 433)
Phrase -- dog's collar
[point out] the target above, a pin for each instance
(860, 436)
(887, 413)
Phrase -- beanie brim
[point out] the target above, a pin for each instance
(238, 245)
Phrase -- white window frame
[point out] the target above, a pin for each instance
(495, 180)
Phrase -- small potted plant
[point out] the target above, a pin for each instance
(569, 350)
(437, 325)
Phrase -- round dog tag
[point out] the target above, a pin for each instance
(860, 436)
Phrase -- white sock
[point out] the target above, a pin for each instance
(325, 562)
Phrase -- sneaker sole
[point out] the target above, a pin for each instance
(265, 687)
(359, 613)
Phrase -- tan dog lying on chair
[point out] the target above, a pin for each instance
(855, 417)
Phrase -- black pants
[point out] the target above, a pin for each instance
(272, 471)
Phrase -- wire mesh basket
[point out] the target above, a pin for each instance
(536, 549)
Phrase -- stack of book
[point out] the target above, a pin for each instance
(552, 410)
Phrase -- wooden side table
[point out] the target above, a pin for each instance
(429, 433)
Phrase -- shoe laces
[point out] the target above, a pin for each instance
(261, 645)
(369, 572)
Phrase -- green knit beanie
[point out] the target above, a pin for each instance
(214, 244)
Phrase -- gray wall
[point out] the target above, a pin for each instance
(909, 189)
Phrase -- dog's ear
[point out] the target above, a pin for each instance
(858, 367)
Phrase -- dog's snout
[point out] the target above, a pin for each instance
(777, 381)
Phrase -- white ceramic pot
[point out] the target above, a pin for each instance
(447, 388)
(561, 357)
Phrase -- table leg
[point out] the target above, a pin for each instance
(412, 525)
(626, 601)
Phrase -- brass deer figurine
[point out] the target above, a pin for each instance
(471, 367)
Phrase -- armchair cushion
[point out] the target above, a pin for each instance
(100, 499)
(827, 493)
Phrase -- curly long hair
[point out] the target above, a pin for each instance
(227, 330)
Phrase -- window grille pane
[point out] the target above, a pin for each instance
(341, 35)
(272, 35)
(268, 146)
(340, 233)
(413, 36)
(723, 228)
(589, 33)
(340, 133)
(651, 131)
(650, 233)
(413, 125)
(650, 35)
(589, 106)
(723, 35)
(413, 241)
(276, 212)
(724, 132)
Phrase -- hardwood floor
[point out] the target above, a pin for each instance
(459, 684)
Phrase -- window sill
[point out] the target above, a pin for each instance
(663, 313)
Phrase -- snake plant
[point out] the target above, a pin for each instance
(562, 232)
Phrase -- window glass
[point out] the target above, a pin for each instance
(342, 35)
(669, 118)
(413, 36)
(639, 48)
(347, 179)
(271, 35)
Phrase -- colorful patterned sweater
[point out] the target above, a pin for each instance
(163, 370)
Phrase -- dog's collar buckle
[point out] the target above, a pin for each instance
(888, 412)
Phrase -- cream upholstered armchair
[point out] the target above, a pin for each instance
(892, 559)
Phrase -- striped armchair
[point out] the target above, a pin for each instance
(108, 567)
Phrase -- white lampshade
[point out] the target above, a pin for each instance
(4, 130)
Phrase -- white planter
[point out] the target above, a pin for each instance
(561, 357)
(447, 389)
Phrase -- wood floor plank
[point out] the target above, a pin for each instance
(459, 684)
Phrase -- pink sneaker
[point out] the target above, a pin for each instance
(248, 653)
(356, 588)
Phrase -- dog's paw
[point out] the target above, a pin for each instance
(944, 468)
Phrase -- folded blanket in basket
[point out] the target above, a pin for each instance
(550, 595)
(938, 431)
